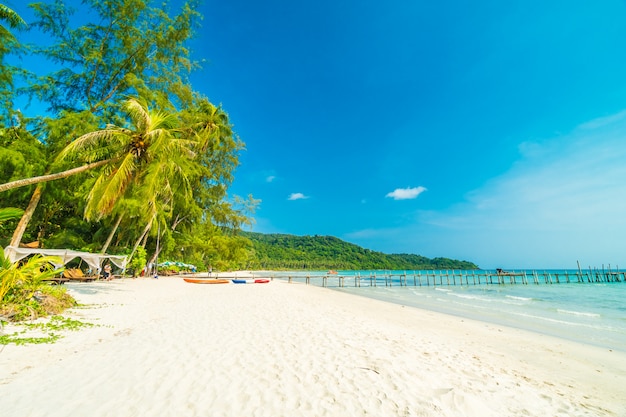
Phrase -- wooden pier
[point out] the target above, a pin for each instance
(444, 278)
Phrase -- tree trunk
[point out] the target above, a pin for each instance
(34, 199)
(50, 177)
(145, 232)
(110, 238)
(152, 261)
(144, 241)
(28, 214)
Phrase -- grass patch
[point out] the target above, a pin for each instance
(44, 332)
(5, 339)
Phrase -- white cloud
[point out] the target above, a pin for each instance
(406, 193)
(297, 196)
(563, 201)
(604, 121)
(270, 178)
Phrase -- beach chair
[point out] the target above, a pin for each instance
(76, 274)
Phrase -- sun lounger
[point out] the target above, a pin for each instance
(77, 275)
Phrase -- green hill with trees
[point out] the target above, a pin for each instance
(282, 251)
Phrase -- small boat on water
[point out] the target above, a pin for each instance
(206, 281)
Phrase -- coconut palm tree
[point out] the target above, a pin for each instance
(149, 152)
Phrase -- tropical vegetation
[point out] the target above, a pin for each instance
(281, 251)
(24, 292)
(123, 153)
(115, 152)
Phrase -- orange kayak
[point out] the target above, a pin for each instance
(206, 281)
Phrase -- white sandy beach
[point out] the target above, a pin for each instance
(168, 348)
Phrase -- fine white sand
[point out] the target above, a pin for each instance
(168, 348)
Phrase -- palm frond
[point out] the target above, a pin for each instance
(163, 120)
(4, 262)
(7, 37)
(87, 141)
(12, 18)
(138, 112)
(9, 213)
(95, 195)
(109, 188)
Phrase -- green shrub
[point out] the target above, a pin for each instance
(139, 261)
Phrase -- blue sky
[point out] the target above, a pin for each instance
(487, 131)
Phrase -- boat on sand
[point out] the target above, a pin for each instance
(206, 281)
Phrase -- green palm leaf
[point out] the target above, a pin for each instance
(10, 213)
(13, 19)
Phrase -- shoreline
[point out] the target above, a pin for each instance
(164, 347)
(606, 335)
(572, 314)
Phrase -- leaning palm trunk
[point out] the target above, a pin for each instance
(51, 177)
(157, 252)
(152, 261)
(110, 238)
(36, 197)
(28, 214)
(138, 242)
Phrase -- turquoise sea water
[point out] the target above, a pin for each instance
(591, 313)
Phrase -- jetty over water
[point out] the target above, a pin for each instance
(442, 278)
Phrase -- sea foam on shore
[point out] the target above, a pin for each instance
(168, 348)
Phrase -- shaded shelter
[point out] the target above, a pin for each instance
(94, 260)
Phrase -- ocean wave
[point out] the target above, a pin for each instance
(471, 297)
(578, 313)
(551, 320)
(595, 326)
(519, 298)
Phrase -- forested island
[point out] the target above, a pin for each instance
(283, 251)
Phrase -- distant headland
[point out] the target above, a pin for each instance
(284, 251)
